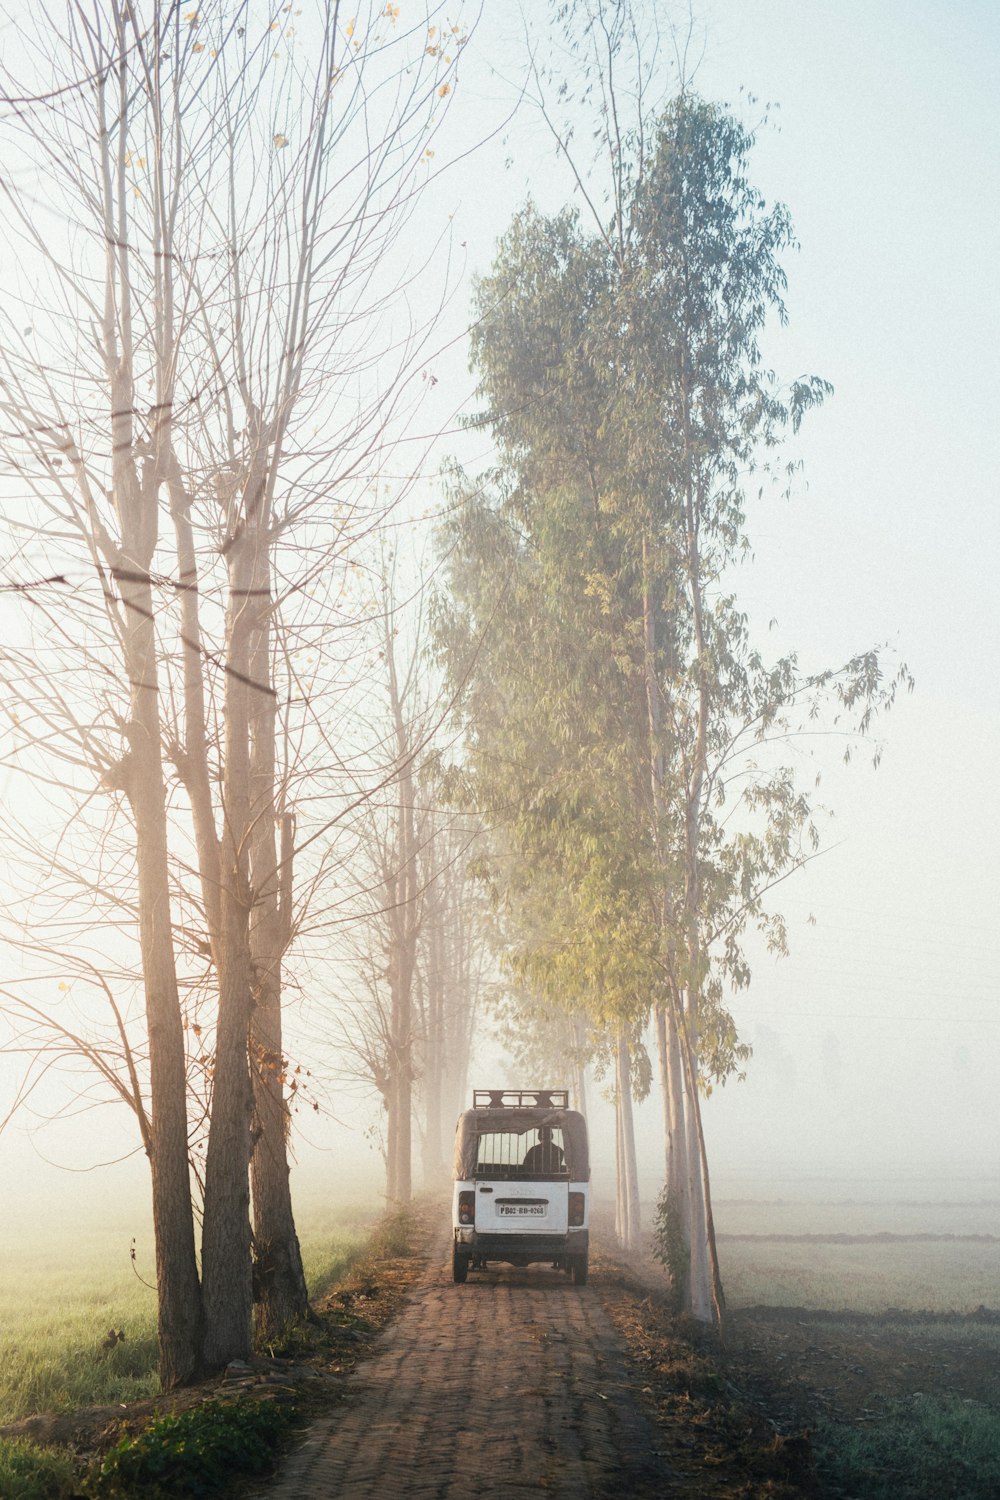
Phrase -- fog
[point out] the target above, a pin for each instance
(877, 1040)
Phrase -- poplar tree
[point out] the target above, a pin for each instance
(616, 702)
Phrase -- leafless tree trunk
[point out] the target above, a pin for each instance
(179, 1294)
(226, 1263)
(432, 980)
(280, 1293)
(404, 918)
(449, 971)
(140, 773)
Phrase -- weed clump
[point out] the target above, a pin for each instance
(31, 1472)
(923, 1448)
(194, 1454)
(394, 1235)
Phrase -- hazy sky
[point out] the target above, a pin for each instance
(878, 1040)
(888, 156)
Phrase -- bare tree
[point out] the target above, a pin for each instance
(379, 1031)
(209, 380)
(412, 949)
(452, 961)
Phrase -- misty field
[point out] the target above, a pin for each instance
(878, 1323)
(61, 1296)
(861, 1257)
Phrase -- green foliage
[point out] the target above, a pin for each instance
(669, 1245)
(622, 730)
(541, 1042)
(924, 1448)
(622, 380)
(31, 1472)
(195, 1453)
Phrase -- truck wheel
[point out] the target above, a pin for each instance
(580, 1270)
(459, 1265)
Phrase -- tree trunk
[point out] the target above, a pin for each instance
(708, 1299)
(391, 1135)
(179, 1309)
(700, 1300)
(579, 1069)
(404, 928)
(676, 1187)
(226, 1238)
(434, 1042)
(620, 1214)
(135, 501)
(631, 1224)
(706, 1288)
(279, 1282)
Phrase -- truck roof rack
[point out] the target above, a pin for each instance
(520, 1099)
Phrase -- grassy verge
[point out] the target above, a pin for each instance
(59, 1304)
(194, 1453)
(29, 1471)
(203, 1442)
(926, 1448)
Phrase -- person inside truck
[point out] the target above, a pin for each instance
(545, 1157)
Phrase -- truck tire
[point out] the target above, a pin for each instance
(459, 1264)
(580, 1269)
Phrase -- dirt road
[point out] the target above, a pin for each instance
(511, 1386)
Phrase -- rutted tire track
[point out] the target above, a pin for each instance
(511, 1386)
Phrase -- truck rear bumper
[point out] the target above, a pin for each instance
(526, 1247)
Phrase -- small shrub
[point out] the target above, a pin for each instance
(925, 1448)
(327, 1261)
(297, 1340)
(195, 1453)
(668, 1240)
(29, 1472)
(393, 1236)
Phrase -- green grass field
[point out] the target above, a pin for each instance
(855, 1216)
(60, 1297)
(58, 1301)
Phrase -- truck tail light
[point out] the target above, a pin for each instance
(577, 1204)
(466, 1208)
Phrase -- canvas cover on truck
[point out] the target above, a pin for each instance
(492, 1121)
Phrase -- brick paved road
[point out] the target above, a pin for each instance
(512, 1386)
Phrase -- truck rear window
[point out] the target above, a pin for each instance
(504, 1155)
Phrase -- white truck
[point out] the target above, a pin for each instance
(522, 1182)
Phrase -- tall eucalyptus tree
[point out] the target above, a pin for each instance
(614, 697)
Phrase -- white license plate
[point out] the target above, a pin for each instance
(520, 1210)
